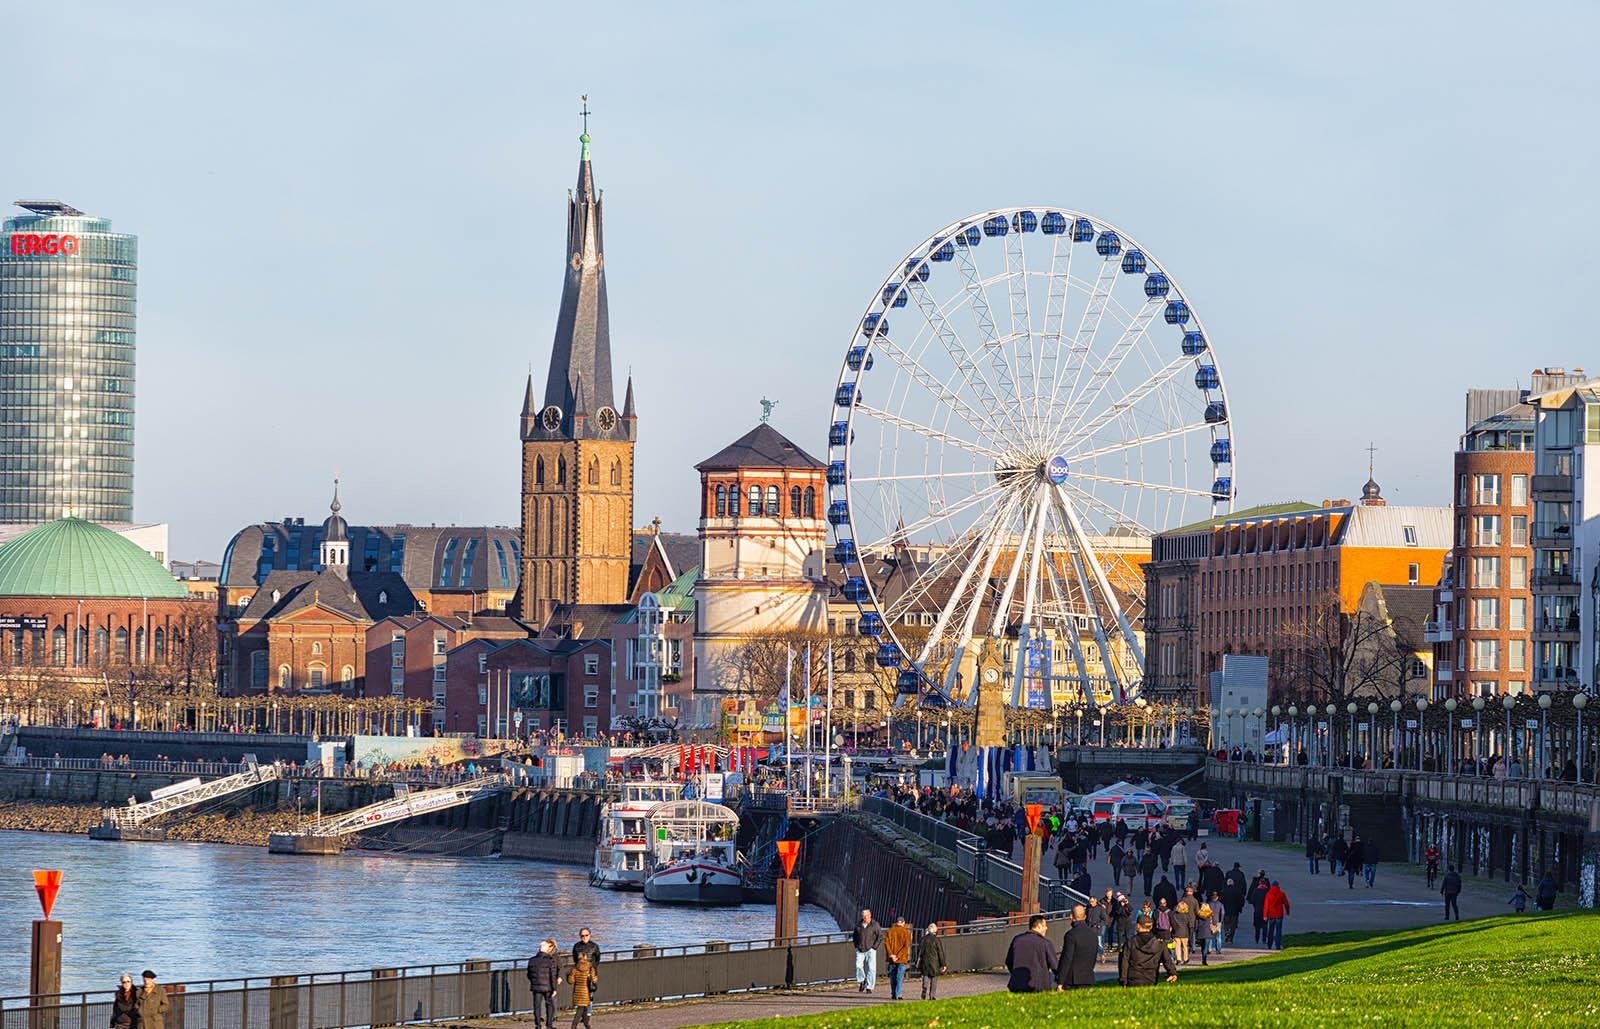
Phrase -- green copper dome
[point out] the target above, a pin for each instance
(74, 558)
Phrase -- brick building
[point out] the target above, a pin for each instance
(79, 601)
(560, 685)
(406, 654)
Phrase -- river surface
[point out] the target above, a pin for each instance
(204, 911)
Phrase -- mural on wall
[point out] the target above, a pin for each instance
(413, 751)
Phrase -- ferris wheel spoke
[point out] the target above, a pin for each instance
(1160, 487)
(972, 375)
(1094, 312)
(1129, 400)
(1070, 629)
(978, 300)
(984, 554)
(1114, 516)
(1107, 370)
(903, 531)
(927, 431)
(926, 476)
(1136, 442)
(1069, 518)
(980, 421)
(1021, 336)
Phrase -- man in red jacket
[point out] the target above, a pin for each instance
(1275, 906)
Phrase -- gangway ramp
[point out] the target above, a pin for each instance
(134, 822)
(327, 835)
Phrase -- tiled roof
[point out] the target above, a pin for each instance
(71, 557)
(362, 597)
(424, 553)
(761, 447)
(1286, 507)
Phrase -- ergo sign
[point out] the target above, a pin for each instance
(33, 243)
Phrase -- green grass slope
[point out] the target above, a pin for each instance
(1515, 970)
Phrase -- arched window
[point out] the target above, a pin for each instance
(80, 647)
(317, 674)
(538, 472)
(58, 647)
(285, 677)
(772, 502)
(161, 644)
(594, 472)
(755, 502)
(102, 642)
(722, 501)
(733, 501)
(811, 502)
(122, 646)
(616, 473)
(561, 470)
(38, 646)
(347, 675)
(258, 669)
(794, 501)
(849, 660)
(139, 652)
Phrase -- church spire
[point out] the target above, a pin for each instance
(580, 358)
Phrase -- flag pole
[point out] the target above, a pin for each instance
(827, 728)
(788, 704)
(807, 721)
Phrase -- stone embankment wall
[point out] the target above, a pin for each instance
(850, 864)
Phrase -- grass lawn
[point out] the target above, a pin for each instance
(1511, 970)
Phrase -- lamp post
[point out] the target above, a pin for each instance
(1277, 713)
(1394, 732)
(1260, 716)
(1350, 741)
(1422, 730)
(1294, 734)
(1544, 728)
(1372, 733)
(1227, 726)
(1328, 747)
(1450, 732)
(1579, 702)
(1508, 702)
(1479, 751)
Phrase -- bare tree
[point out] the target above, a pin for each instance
(1335, 657)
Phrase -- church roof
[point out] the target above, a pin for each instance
(761, 447)
(361, 597)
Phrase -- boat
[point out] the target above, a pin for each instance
(692, 857)
(622, 845)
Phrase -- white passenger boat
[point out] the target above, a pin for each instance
(693, 857)
(622, 846)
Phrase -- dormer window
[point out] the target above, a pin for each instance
(383, 596)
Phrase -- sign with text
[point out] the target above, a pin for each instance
(47, 243)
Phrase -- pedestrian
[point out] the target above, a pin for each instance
(1369, 861)
(1258, 898)
(897, 952)
(1165, 891)
(1336, 854)
(1180, 863)
(1130, 868)
(1030, 959)
(1244, 822)
(1147, 866)
(1205, 929)
(125, 1004)
(1314, 854)
(1202, 857)
(930, 961)
(1519, 899)
(866, 936)
(152, 1003)
(1546, 897)
(1183, 929)
(1451, 889)
(583, 981)
(1430, 857)
(1079, 951)
(586, 947)
(1352, 861)
(1144, 956)
(1276, 908)
(544, 975)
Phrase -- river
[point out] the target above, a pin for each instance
(204, 911)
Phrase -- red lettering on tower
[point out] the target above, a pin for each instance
(50, 243)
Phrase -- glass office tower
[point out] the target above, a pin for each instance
(66, 366)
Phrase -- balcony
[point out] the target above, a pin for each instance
(1554, 581)
(1557, 533)
(1437, 632)
(1564, 628)
(1555, 674)
(1444, 671)
(1552, 487)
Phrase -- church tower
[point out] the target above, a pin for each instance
(577, 448)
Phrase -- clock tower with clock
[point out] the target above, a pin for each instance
(577, 448)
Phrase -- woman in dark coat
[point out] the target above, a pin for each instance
(125, 1005)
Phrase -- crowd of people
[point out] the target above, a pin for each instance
(139, 1007)
(546, 973)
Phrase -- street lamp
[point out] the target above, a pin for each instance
(1422, 729)
(1227, 725)
(1579, 702)
(1277, 713)
(1544, 727)
(1450, 706)
(1328, 747)
(1394, 732)
(1350, 741)
(1479, 751)
(1508, 702)
(1294, 734)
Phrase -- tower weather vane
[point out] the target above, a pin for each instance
(766, 409)
(585, 112)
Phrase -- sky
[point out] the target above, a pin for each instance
(351, 217)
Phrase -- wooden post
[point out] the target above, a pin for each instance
(787, 923)
(1031, 852)
(44, 975)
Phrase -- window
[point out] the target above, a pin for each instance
(1486, 655)
(1591, 423)
(438, 644)
(258, 669)
(438, 673)
(58, 647)
(591, 664)
(1516, 655)
(538, 472)
(1486, 489)
(772, 502)
(733, 501)
(397, 652)
(347, 675)
(594, 472)
(1486, 613)
(1519, 530)
(315, 676)
(285, 677)
(1517, 613)
(1410, 533)
(755, 502)
(616, 472)
(483, 695)
(467, 562)
(1484, 687)
(451, 545)
(795, 506)
(397, 554)
(591, 697)
(1519, 490)
(722, 501)
(561, 470)
(1485, 530)
(1486, 572)
(483, 664)
(811, 502)
(316, 648)
(1413, 573)
(1517, 569)
(591, 726)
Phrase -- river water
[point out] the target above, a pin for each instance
(203, 911)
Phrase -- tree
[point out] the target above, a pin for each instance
(1335, 657)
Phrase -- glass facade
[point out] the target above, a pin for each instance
(67, 285)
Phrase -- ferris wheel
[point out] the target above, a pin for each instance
(1027, 399)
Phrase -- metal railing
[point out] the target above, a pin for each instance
(485, 988)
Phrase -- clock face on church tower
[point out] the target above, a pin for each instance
(607, 418)
(551, 418)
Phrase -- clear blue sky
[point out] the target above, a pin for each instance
(351, 216)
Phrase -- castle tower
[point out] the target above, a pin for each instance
(577, 449)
